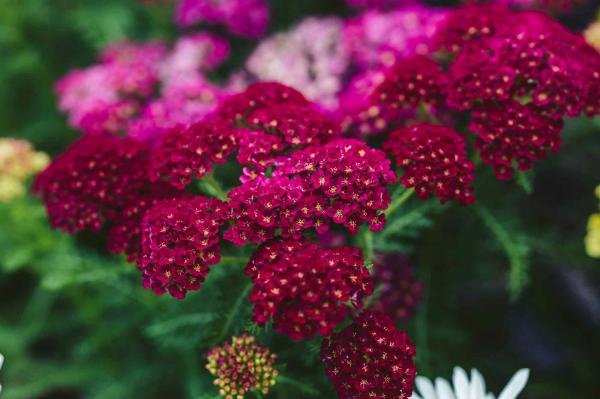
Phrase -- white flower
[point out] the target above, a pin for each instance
(1, 362)
(465, 389)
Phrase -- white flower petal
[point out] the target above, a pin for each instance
(515, 385)
(443, 389)
(414, 396)
(477, 389)
(1, 360)
(461, 383)
(425, 388)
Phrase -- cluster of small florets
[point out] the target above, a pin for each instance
(303, 288)
(349, 176)
(242, 17)
(514, 133)
(186, 152)
(236, 108)
(92, 182)
(118, 95)
(434, 160)
(280, 128)
(126, 232)
(377, 38)
(400, 292)
(18, 163)
(242, 366)
(311, 57)
(371, 358)
(180, 239)
(520, 74)
(409, 84)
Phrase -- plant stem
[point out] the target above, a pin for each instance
(214, 187)
(368, 246)
(233, 260)
(233, 313)
(399, 201)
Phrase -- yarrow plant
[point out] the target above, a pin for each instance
(306, 184)
(242, 366)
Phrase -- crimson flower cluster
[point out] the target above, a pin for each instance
(303, 287)
(371, 358)
(408, 84)
(92, 182)
(343, 181)
(435, 161)
(400, 291)
(279, 128)
(180, 239)
(520, 74)
(125, 235)
(190, 151)
(238, 107)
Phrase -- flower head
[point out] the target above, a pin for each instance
(370, 358)
(242, 366)
(465, 389)
(408, 84)
(92, 182)
(303, 287)
(190, 151)
(513, 133)
(180, 239)
(125, 234)
(311, 57)
(280, 128)
(257, 96)
(242, 17)
(434, 159)
(349, 177)
(378, 38)
(400, 291)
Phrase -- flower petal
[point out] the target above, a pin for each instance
(515, 385)
(461, 383)
(477, 390)
(443, 389)
(426, 388)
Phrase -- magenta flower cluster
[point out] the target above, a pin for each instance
(371, 358)
(303, 287)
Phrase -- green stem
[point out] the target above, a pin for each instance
(233, 260)
(258, 395)
(302, 387)
(368, 248)
(421, 318)
(399, 201)
(233, 313)
(214, 187)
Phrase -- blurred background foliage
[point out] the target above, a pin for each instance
(508, 283)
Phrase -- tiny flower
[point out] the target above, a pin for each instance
(400, 292)
(92, 182)
(303, 287)
(370, 358)
(179, 241)
(242, 366)
(186, 152)
(434, 159)
(465, 389)
(592, 239)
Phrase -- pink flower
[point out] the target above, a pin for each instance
(242, 17)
